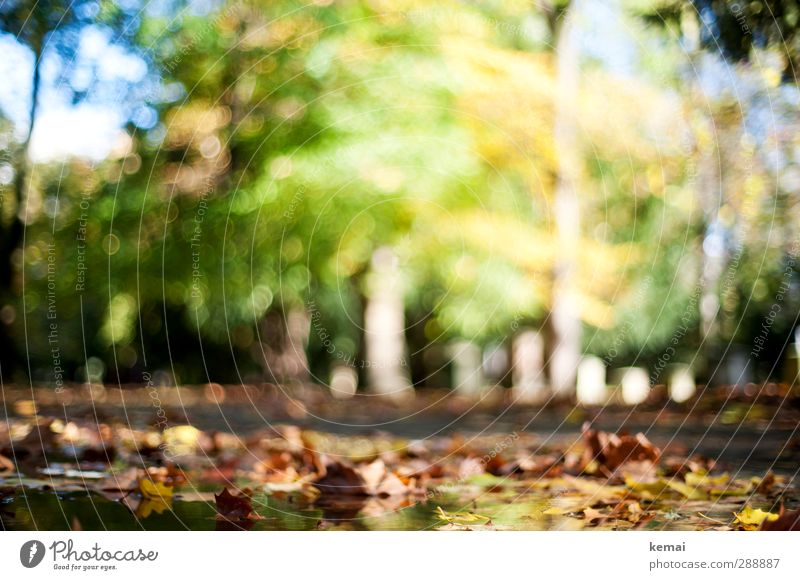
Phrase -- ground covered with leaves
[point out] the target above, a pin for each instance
(105, 474)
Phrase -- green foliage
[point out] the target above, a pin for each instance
(292, 141)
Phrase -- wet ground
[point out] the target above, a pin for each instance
(746, 438)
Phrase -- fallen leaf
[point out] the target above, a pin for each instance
(235, 507)
(699, 479)
(6, 465)
(753, 518)
(787, 521)
(649, 490)
(462, 518)
(147, 506)
(689, 492)
(555, 511)
(371, 479)
(341, 479)
(611, 451)
(155, 490)
(591, 514)
(765, 484)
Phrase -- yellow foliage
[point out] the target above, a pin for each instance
(462, 518)
(155, 490)
(752, 518)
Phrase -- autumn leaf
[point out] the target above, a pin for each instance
(688, 491)
(787, 521)
(147, 507)
(462, 518)
(156, 497)
(591, 514)
(649, 489)
(235, 507)
(157, 491)
(764, 484)
(555, 511)
(635, 512)
(372, 479)
(611, 451)
(6, 465)
(705, 480)
(341, 479)
(752, 518)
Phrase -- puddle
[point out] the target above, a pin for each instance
(36, 509)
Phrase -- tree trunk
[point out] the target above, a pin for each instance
(565, 321)
(384, 328)
(12, 235)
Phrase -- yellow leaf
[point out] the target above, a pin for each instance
(650, 488)
(462, 518)
(155, 491)
(731, 491)
(697, 479)
(554, 511)
(148, 506)
(689, 492)
(754, 517)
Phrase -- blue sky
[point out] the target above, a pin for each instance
(88, 128)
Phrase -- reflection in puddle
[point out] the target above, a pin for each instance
(32, 509)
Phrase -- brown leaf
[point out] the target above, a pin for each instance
(591, 514)
(234, 507)
(373, 479)
(765, 485)
(788, 521)
(611, 451)
(6, 465)
(539, 465)
(341, 479)
(470, 466)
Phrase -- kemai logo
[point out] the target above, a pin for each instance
(31, 553)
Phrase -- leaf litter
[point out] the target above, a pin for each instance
(602, 481)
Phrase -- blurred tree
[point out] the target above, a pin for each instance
(50, 28)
